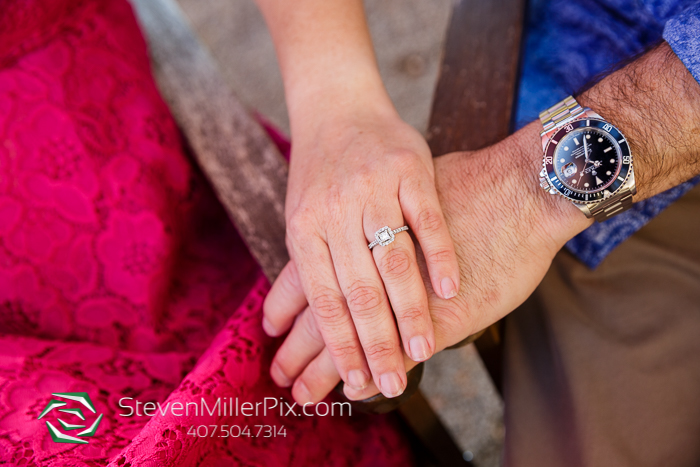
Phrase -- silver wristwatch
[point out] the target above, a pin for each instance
(586, 160)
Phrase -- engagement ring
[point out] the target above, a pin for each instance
(385, 235)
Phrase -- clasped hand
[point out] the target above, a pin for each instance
(485, 236)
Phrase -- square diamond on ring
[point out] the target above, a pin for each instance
(384, 236)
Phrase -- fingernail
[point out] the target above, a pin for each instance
(352, 394)
(420, 350)
(278, 376)
(302, 393)
(448, 288)
(357, 379)
(267, 327)
(390, 384)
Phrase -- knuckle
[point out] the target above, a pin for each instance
(396, 262)
(411, 313)
(380, 350)
(401, 156)
(328, 306)
(342, 350)
(450, 321)
(363, 298)
(429, 221)
(440, 255)
(296, 225)
(300, 222)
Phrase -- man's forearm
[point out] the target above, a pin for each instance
(655, 102)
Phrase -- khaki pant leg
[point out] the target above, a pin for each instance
(602, 367)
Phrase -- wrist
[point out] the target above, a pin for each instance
(558, 218)
(325, 55)
(357, 95)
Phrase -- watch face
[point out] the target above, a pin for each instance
(587, 160)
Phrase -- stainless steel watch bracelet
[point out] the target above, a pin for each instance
(604, 210)
(559, 114)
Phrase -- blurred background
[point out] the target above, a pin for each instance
(407, 34)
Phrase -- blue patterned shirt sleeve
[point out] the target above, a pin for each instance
(682, 32)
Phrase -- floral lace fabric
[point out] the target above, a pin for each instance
(120, 274)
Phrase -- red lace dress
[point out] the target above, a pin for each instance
(120, 274)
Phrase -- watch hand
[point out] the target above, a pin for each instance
(585, 163)
(583, 171)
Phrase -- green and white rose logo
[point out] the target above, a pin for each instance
(74, 414)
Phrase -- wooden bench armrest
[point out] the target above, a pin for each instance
(243, 165)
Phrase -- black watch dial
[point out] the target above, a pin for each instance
(587, 160)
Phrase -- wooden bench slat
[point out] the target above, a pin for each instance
(243, 165)
(476, 91)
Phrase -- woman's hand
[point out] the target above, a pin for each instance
(355, 169)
